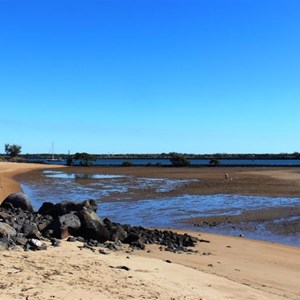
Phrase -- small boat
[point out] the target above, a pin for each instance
(53, 159)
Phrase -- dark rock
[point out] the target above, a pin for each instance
(71, 239)
(58, 209)
(48, 208)
(55, 242)
(17, 200)
(48, 233)
(66, 207)
(138, 245)
(44, 222)
(87, 246)
(133, 236)
(107, 222)
(6, 230)
(89, 215)
(80, 221)
(204, 241)
(93, 243)
(30, 230)
(5, 215)
(95, 230)
(118, 233)
(19, 240)
(114, 246)
(123, 268)
(67, 225)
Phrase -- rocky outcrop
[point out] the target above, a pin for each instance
(20, 226)
(65, 225)
(66, 207)
(17, 200)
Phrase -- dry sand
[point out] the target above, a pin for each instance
(225, 268)
(7, 172)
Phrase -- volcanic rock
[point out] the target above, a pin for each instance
(6, 230)
(17, 200)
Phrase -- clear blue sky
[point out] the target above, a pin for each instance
(142, 76)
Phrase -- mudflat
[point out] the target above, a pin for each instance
(260, 181)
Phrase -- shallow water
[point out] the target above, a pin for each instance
(56, 186)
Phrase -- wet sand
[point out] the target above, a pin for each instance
(281, 221)
(259, 181)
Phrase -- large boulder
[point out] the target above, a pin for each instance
(118, 233)
(58, 209)
(17, 200)
(67, 225)
(94, 230)
(89, 215)
(30, 230)
(66, 207)
(48, 209)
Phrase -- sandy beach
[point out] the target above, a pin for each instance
(223, 268)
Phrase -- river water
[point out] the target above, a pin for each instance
(57, 186)
(166, 162)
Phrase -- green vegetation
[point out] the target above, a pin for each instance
(84, 158)
(13, 153)
(178, 160)
(12, 150)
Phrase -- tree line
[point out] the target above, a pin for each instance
(13, 151)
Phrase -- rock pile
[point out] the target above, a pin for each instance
(21, 226)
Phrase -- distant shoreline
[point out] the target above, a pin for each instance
(165, 162)
(294, 155)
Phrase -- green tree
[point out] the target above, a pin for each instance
(12, 150)
(84, 158)
(178, 159)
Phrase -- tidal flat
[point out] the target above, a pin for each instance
(179, 198)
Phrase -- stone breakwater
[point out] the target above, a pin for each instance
(22, 227)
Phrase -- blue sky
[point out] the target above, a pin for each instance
(205, 76)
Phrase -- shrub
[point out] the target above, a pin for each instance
(178, 160)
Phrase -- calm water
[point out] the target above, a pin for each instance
(56, 186)
(194, 162)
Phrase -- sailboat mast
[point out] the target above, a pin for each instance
(52, 150)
